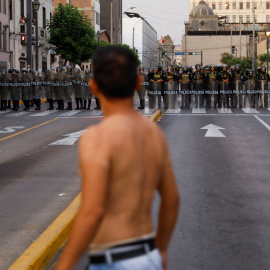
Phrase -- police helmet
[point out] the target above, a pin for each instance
(47, 72)
(69, 68)
(24, 71)
(185, 69)
(237, 67)
(165, 70)
(16, 70)
(177, 67)
(219, 68)
(87, 71)
(224, 66)
(198, 66)
(207, 69)
(59, 69)
(4, 71)
(76, 70)
(151, 70)
(213, 67)
(170, 68)
(249, 72)
(36, 72)
(159, 68)
(263, 69)
(233, 68)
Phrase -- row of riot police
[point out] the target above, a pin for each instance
(60, 86)
(210, 85)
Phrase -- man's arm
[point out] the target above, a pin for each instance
(168, 212)
(93, 164)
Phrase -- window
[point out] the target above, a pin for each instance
(214, 6)
(241, 5)
(97, 18)
(10, 10)
(5, 38)
(5, 6)
(44, 17)
(241, 19)
(220, 5)
(22, 8)
(234, 5)
(234, 18)
(247, 5)
(267, 18)
(267, 5)
(0, 5)
(227, 5)
(248, 18)
(227, 19)
(255, 18)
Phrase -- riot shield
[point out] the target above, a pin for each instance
(250, 99)
(26, 87)
(263, 86)
(186, 97)
(199, 97)
(171, 95)
(154, 95)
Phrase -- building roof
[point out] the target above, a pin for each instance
(201, 10)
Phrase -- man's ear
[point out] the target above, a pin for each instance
(94, 87)
(139, 82)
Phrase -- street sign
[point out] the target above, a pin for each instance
(179, 53)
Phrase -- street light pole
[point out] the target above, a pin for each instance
(267, 49)
(98, 36)
(253, 38)
(36, 6)
(29, 35)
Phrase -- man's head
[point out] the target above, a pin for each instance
(115, 72)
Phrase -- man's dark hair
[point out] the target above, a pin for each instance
(115, 71)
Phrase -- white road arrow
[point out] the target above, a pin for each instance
(10, 129)
(213, 131)
(70, 140)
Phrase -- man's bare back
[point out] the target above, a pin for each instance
(134, 151)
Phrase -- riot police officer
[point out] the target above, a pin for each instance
(158, 84)
(48, 88)
(26, 89)
(15, 89)
(185, 80)
(143, 89)
(151, 94)
(251, 86)
(212, 79)
(171, 88)
(58, 88)
(198, 84)
(237, 81)
(68, 89)
(263, 79)
(207, 86)
(87, 95)
(77, 80)
(224, 78)
(36, 89)
(4, 89)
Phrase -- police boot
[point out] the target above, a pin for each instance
(26, 105)
(50, 104)
(97, 102)
(142, 104)
(69, 106)
(81, 103)
(9, 104)
(62, 105)
(58, 104)
(77, 103)
(89, 104)
(15, 106)
(4, 105)
(140, 107)
(38, 104)
(84, 104)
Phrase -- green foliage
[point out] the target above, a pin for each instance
(262, 59)
(103, 44)
(72, 34)
(230, 60)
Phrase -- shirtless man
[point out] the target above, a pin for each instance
(123, 161)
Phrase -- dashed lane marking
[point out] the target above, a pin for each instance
(261, 121)
(17, 114)
(45, 113)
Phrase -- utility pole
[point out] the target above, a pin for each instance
(253, 38)
(29, 35)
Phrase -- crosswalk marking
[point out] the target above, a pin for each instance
(173, 110)
(249, 110)
(45, 113)
(70, 113)
(147, 111)
(97, 112)
(268, 109)
(224, 110)
(198, 110)
(4, 112)
(17, 114)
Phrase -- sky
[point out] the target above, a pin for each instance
(166, 16)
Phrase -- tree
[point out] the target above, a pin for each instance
(72, 34)
(229, 59)
(104, 43)
(262, 59)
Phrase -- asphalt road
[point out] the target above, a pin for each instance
(224, 183)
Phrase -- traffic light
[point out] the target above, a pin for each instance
(23, 42)
(192, 53)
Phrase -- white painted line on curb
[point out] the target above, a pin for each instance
(198, 110)
(224, 110)
(260, 120)
(4, 112)
(71, 113)
(250, 110)
(173, 110)
(147, 111)
(17, 114)
(45, 113)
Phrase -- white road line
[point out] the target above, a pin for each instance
(17, 114)
(249, 110)
(147, 111)
(4, 112)
(173, 110)
(224, 110)
(45, 113)
(97, 112)
(268, 109)
(199, 110)
(260, 120)
(70, 113)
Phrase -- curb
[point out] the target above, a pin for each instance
(42, 251)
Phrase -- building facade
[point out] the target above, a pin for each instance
(111, 19)
(18, 29)
(238, 10)
(4, 34)
(142, 37)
